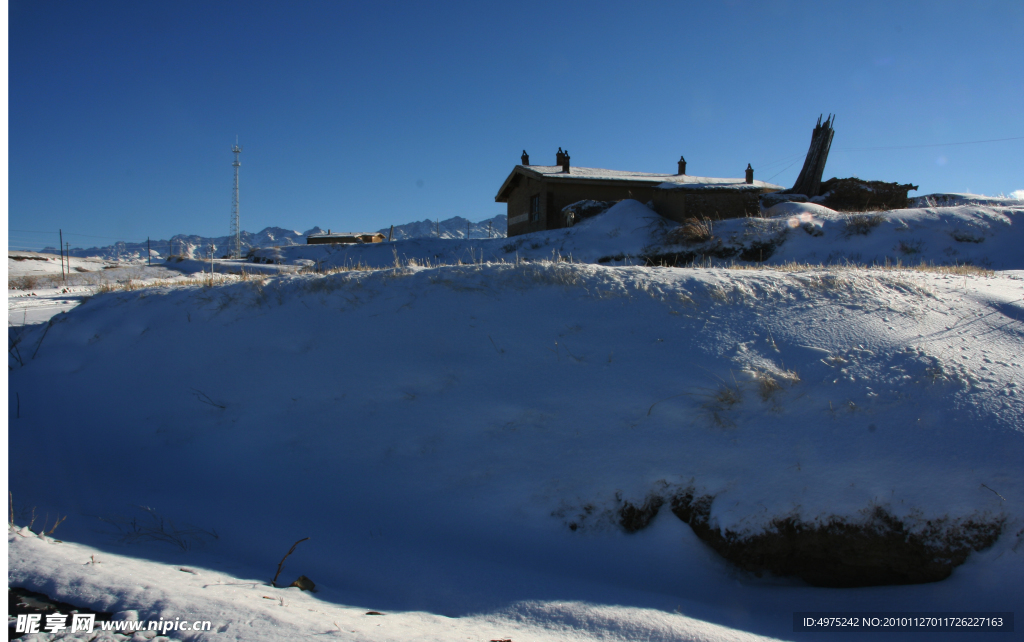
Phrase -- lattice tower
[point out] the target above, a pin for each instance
(236, 232)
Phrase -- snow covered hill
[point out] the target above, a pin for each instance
(517, 446)
(629, 233)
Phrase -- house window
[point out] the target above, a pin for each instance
(535, 208)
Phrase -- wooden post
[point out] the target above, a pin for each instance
(808, 182)
(149, 252)
(67, 253)
(390, 232)
(61, 249)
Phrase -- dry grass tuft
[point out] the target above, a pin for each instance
(771, 384)
(33, 281)
(358, 266)
(958, 270)
(828, 282)
(151, 527)
(767, 386)
(21, 283)
(693, 230)
(862, 224)
(719, 401)
(833, 278)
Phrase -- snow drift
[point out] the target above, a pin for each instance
(986, 234)
(434, 429)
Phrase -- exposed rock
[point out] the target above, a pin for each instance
(634, 518)
(838, 553)
(304, 583)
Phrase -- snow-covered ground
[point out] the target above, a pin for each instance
(38, 289)
(631, 234)
(461, 442)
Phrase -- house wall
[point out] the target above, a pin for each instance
(519, 207)
(676, 205)
(679, 205)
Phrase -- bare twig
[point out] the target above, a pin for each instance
(997, 494)
(291, 550)
(500, 350)
(649, 410)
(16, 352)
(202, 396)
(41, 338)
(55, 524)
(157, 529)
(571, 355)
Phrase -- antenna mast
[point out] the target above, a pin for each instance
(236, 250)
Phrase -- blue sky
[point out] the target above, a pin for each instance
(355, 116)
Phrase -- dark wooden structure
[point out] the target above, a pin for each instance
(840, 194)
(809, 181)
(537, 195)
(856, 195)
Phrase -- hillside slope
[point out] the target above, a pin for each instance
(988, 235)
(469, 439)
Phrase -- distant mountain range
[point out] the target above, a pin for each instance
(194, 246)
(453, 228)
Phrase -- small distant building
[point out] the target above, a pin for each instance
(536, 194)
(329, 238)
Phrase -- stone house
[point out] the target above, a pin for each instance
(537, 194)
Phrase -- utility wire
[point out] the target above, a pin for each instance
(865, 149)
(782, 170)
(970, 142)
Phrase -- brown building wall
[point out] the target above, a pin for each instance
(676, 205)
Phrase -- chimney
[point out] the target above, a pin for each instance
(565, 161)
(682, 166)
(525, 158)
(559, 157)
(750, 174)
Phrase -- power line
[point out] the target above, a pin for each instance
(970, 142)
(865, 149)
(763, 166)
(784, 169)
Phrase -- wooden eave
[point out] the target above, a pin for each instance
(512, 182)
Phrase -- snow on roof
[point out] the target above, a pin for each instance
(667, 181)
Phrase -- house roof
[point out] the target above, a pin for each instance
(664, 181)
